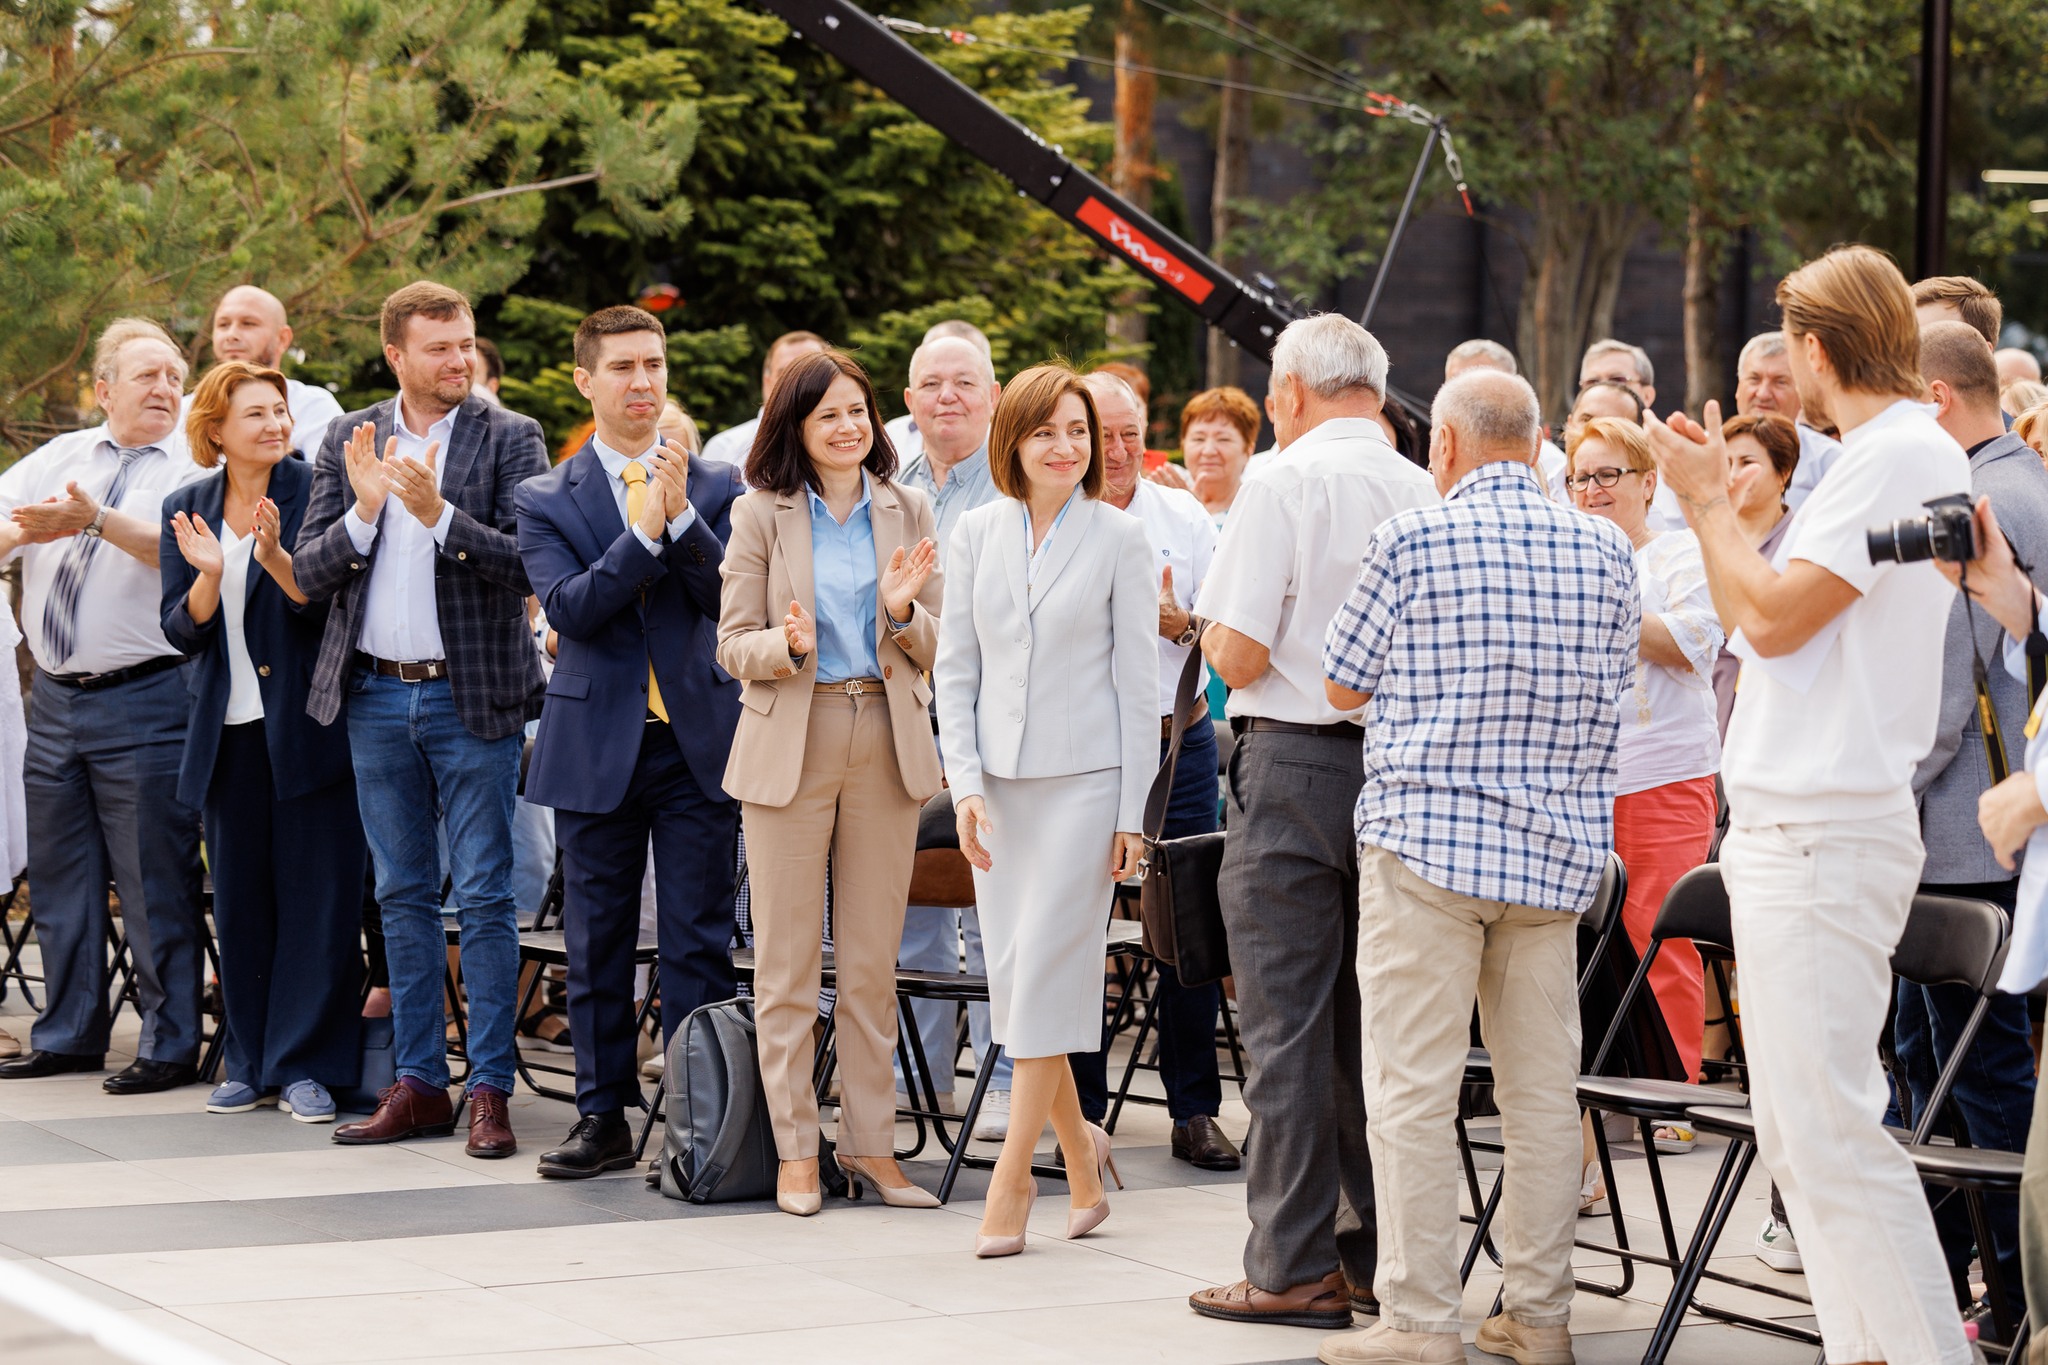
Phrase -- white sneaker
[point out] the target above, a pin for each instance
(992, 1124)
(654, 1067)
(1776, 1249)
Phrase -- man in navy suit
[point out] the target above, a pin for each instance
(623, 542)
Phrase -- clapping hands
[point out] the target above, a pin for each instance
(905, 577)
(198, 544)
(800, 630)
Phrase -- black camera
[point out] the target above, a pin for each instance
(1948, 533)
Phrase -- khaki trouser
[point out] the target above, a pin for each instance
(850, 803)
(1424, 954)
(2034, 1226)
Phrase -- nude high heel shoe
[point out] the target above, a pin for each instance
(986, 1247)
(859, 1173)
(1081, 1222)
(803, 1203)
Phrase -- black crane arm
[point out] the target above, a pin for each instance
(1250, 316)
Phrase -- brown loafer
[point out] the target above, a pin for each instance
(1201, 1144)
(490, 1125)
(402, 1112)
(1325, 1304)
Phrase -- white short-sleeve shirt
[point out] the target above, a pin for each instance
(1184, 541)
(1843, 746)
(1290, 554)
(1670, 730)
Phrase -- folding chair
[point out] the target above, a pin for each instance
(12, 943)
(1597, 926)
(1134, 1004)
(1947, 940)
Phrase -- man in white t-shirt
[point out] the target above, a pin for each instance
(1838, 702)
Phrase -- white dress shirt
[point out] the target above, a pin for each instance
(1670, 728)
(1290, 553)
(118, 611)
(615, 467)
(1551, 468)
(401, 616)
(1184, 540)
(1817, 454)
(905, 437)
(238, 561)
(733, 445)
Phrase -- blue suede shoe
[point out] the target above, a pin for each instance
(233, 1097)
(308, 1102)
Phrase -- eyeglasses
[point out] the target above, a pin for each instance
(1606, 478)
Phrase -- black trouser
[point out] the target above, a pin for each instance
(604, 858)
(287, 901)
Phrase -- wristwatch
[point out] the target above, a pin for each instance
(1193, 633)
(97, 526)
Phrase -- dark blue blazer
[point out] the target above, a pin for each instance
(615, 606)
(283, 640)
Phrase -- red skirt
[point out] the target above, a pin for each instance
(1662, 834)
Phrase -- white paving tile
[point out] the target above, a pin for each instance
(314, 1270)
(1165, 1331)
(289, 1175)
(91, 1185)
(166, 1323)
(1050, 1273)
(433, 1325)
(592, 1252)
(884, 1343)
(713, 1303)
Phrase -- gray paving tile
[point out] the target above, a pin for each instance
(151, 1227)
(150, 1137)
(427, 1213)
(29, 1144)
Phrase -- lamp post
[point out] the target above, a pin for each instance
(1930, 238)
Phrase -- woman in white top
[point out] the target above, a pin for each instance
(1048, 695)
(1218, 430)
(1670, 742)
(283, 836)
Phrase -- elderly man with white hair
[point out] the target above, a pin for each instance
(903, 431)
(107, 720)
(1482, 354)
(249, 325)
(1289, 884)
(1483, 824)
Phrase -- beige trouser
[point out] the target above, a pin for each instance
(1423, 955)
(850, 803)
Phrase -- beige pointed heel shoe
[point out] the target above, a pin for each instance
(987, 1247)
(802, 1203)
(860, 1171)
(1081, 1222)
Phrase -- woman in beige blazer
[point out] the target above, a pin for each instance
(829, 617)
(1048, 680)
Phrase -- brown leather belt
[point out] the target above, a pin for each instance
(423, 670)
(1201, 714)
(852, 687)
(93, 682)
(1342, 729)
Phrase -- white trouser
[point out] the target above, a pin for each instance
(1817, 910)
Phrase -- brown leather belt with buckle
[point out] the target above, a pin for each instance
(424, 670)
(1201, 715)
(852, 687)
(93, 682)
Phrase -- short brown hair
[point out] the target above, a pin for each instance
(611, 322)
(420, 299)
(1856, 301)
(1778, 437)
(1230, 403)
(1625, 438)
(213, 399)
(1971, 298)
(1026, 405)
(778, 461)
(1958, 356)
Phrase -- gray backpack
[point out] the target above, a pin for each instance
(720, 1145)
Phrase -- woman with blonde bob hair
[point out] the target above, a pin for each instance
(1048, 686)
(283, 836)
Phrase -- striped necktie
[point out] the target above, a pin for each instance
(635, 476)
(60, 610)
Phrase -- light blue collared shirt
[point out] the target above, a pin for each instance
(968, 486)
(615, 466)
(843, 571)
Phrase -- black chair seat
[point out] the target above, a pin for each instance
(1969, 1167)
(551, 946)
(1479, 1065)
(936, 825)
(1652, 1098)
(1723, 1121)
(955, 986)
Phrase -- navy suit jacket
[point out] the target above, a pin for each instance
(615, 607)
(283, 640)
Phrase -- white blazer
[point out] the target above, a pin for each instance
(1055, 678)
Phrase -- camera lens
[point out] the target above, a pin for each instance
(1906, 541)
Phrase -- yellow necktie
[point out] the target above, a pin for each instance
(635, 475)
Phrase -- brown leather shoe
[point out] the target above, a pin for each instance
(1325, 1304)
(1201, 1144)
(490, 1125)
(402, 1112)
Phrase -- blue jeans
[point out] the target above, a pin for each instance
(414, 759)
(1184, 1017)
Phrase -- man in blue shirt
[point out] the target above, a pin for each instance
(1490, 639)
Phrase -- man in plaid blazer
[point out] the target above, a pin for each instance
(410, 531)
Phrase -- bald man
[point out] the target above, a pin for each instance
(2015, 365)
(249, 325)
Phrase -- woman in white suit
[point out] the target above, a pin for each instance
(1048, 691)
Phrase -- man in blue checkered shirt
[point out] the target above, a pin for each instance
(1493, 636)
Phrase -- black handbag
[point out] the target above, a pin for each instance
(720, 1145)
(1177, 903)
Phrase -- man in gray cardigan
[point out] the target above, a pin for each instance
(1995, 1090)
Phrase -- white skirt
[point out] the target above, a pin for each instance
(1044, 908)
